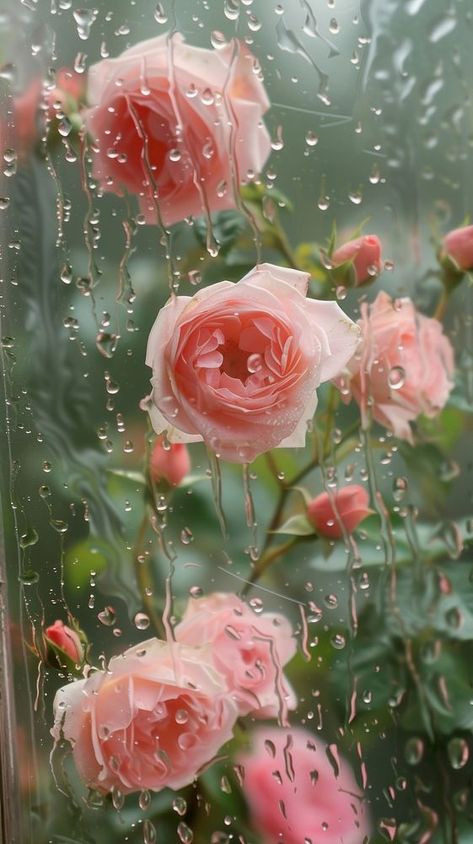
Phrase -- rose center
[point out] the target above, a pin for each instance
(235, 361)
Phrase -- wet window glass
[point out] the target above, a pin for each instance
(236, 408)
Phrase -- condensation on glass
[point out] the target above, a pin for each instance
(237, 601)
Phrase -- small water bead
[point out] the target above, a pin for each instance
(84, 19)
(396, 377)
(185, 833)
(331, 601)
(458, 752)
(400, 486)
(118, 798)
(196, 591)
(311, 139)
(186, 536)
(141, 621)
(107, 616)
(4, 202)
(338, 641)
(144, 800)
(150, 835)
(179, 805)
(414, 751)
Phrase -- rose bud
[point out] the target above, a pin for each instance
(364, 255)
(64, 641)
(342, 510)
(458, 246)
(170, 464)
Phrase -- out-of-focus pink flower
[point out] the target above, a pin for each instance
(63, 637)
(458, 245)
(247, 648)
(150, 721)
(342, 509)
(238, 365)
(68, 92)
(296, 794)
(170, 463)
(179, 126)
(365, 255)
(405, 367)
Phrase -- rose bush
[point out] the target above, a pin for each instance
(238, 365)
(404, 367)
(342, 509)
(162, 117)
(248, 649)
(150, 721)
(294, 794)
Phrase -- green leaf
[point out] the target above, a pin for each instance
(226, 226)
(297, 526)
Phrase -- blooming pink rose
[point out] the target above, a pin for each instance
(294, 794)
(405, 367)
(237, 365)
(342, 509)
(364, 253)
(177, 125)
(248, 649)
(458, 245)
(170, 464)
(151, 721)
(63, 637)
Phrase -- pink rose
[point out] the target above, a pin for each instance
(365, 255)
(248, 649)
(294, 793)
(342, 509)
(170, 464)
(66, 639)
(238, 365)
(405, 367)
(458, 245)
(177, 125)
(151, 721)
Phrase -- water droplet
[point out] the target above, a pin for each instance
(185, 833)
(141, 621)
(160, 15)
(28, 538)
(400, 486)
(107, 616)
(179, 805)
(106, 344)
(144, 800)
(414, 751)
(118, 798)
(458, 753)
(84, 19)
(149, 832)
(396, 377)
(311, 139)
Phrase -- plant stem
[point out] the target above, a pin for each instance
(442, 305)
(267, 559)
(143, 578)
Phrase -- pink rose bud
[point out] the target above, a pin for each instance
(183, 146)
(404, 367)
(151, 720)
(365, 256)
(344, 508)
(248, 649)
(458, 245)
(66, 639)
(294, 793)
(238, 364)
(170, 464)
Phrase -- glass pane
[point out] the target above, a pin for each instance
(237, 393)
